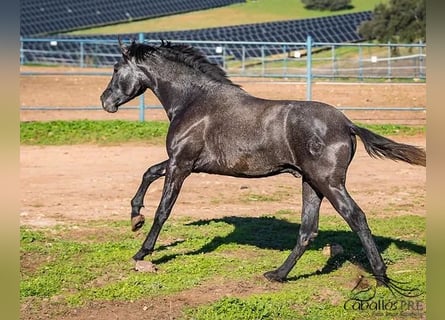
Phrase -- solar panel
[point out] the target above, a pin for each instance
(49, 16)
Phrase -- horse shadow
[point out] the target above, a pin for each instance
(278, 234)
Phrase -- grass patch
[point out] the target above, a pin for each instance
(76, 267)
(283, 192)
(394, 129)
(256, 307)
(119, 131)
(89, 131)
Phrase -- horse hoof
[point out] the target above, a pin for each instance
(137, 222)
(273, 276)
(145, 266)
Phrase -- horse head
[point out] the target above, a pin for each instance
(127, 81)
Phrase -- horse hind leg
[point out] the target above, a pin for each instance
(153, 173)
(307, 232)
(337, 194)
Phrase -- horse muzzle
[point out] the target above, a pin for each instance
(107, 105)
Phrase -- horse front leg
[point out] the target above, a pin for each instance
(308, 231)
(174, 178)
(153, 173)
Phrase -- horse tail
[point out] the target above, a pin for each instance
(381, 147)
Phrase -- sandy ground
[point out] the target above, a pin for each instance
(84, 91)
(67, 183)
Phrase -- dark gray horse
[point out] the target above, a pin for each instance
(218, 128)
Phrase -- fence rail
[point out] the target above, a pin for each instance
(301, 61)
(357, 61)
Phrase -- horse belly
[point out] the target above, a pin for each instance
(249, 163)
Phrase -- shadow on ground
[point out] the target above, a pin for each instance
(278, 234)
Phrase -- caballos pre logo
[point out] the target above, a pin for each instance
(402, 300)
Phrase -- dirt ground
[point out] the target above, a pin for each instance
(84, 91)
(65, 184)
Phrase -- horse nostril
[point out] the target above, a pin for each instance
(103, 97)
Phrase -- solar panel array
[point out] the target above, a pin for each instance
(338, 28)
(40, 17)
(333, 29)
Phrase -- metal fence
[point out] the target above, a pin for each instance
(305, 61)
(355, 61)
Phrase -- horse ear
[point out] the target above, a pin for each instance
(124, 48)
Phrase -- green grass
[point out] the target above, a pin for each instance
(86, 131)
(284, 192)
(77, 264)
(243, 13)
(119, 131)
(394, 129)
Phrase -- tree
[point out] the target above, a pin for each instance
(331, 5)
(401, 21)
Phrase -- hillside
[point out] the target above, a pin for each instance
(249, 12)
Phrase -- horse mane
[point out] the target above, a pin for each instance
(181, 53)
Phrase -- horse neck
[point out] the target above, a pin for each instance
(177, 87)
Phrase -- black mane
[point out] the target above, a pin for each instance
(182, 53)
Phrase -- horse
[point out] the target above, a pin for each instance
(216, 127)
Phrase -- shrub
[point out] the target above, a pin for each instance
(331, 5)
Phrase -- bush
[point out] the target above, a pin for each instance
(331, 5)
(402, 21)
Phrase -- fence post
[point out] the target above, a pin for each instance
(285, 60)
(309, 68)
(389, 60)
(22, 56)
(243, 63)
(334, 63)
(142, 96)
(224, 57)
(360, 63)
(82, 55)
(419, 61)
(262, 61)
